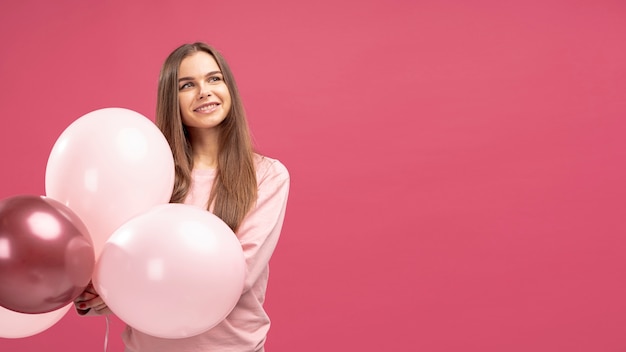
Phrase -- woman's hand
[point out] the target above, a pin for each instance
(90, 302)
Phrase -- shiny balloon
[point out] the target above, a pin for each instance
(46, 255)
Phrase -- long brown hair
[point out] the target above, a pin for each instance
(234, 189)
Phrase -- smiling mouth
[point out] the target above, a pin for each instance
(206, 107)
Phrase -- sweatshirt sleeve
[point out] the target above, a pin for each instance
(260, 230)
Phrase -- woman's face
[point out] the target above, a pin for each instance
(203, 96)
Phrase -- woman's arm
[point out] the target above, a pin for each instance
(260, 230)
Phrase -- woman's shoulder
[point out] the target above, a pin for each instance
(267, 167)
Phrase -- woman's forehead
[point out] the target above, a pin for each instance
(199, 63)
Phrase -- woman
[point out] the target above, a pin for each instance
(200, 112)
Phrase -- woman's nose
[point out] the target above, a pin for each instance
(204, 92)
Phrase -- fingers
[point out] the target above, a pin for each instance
(98, 305)
(89, 301)
(91, 289)
(93, 302)
(80, 303)
(102, 309)
(85, 296)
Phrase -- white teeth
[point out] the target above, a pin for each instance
(206, 107)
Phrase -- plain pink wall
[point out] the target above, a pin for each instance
(458, 167)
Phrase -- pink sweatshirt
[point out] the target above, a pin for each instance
(245, 329)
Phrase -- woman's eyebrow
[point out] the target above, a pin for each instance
(191, 78)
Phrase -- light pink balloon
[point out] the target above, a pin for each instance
(14, 325)
(172, 272)
(108, 166)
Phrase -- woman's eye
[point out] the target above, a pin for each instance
(186, 85)
(215, 79)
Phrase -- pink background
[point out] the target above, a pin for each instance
(458, 167)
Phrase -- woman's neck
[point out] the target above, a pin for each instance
(204, 146)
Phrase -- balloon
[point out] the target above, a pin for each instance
(14, 325)
(108, 166)
(46, 254)
(172, 272)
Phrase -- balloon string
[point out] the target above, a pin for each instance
(106, 333)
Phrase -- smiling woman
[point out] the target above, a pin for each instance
(201, 115)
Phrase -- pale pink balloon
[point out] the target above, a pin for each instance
(172, 272)
(14, 325)
(108, 166)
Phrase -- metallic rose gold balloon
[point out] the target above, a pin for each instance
(46, 254)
